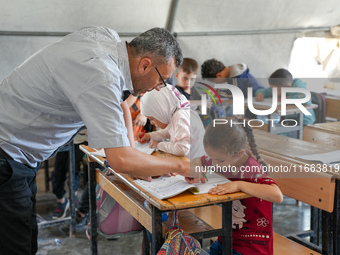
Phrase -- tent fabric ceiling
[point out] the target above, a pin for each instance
(68, 16)
(190, 15)
(202, 15)
(271, 26)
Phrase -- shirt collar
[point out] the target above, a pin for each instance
(123, 65)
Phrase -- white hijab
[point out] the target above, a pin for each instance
(162, 104)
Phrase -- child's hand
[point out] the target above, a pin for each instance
(259, 97)
(226, 188)
(143, 138)
(194, 180)
(148, 179)
(153, 144)
(171, 174)
(140, 120)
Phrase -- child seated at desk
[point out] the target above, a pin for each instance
(169, 110)
(283, 78)
(225, 145)
(186, 75)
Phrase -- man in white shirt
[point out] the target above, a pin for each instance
(74, 82)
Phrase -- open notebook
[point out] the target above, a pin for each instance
(330, 158)
(165, 187)
(141, 147)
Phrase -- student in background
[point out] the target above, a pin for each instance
(60, 172)
(238, 75)
(226, 145)
(169, 110)
(139, 121)
(186, 75)
(283, 78)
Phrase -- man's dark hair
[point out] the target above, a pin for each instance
(210, 68)
(281, 78)
(158, 44)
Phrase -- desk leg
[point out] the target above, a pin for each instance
(227, 242)
(146, 242)
(327, 233)
(336, 218)
(157, 239)
(72, 191)
(47, 176)
(330, 227)
(315, 225)
(300, 132)
(92, 196)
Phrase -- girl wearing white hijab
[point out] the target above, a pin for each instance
(181, 131)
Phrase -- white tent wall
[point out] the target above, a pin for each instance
(259, 33)
(262, 53)
(258, 52)
(247, 15)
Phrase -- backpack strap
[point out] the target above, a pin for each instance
(174, 219)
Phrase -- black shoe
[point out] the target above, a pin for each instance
(61, 210)
(80, 221)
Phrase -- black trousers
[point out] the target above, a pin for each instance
(18, 225)
(61, 170)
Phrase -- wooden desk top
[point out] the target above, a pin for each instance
(332, 127)
(288, 148)
(181, 201)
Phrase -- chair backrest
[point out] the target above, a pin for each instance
(333, 107)
(310, 187)
(320, 112)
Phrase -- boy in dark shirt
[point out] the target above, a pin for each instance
(186, 75)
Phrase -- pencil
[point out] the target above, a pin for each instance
(143, 134)
(205, 177)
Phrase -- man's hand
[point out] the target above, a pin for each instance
(196, 173)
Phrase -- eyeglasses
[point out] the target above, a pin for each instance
(164, 84)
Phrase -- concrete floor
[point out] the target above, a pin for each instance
(288, 217)
(80, 245)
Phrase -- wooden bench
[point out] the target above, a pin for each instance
(283, 245)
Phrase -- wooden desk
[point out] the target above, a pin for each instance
(131, 197)
(326, 134)
(291, 110)
(333, 107)
(287, 150)
(276, 128)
